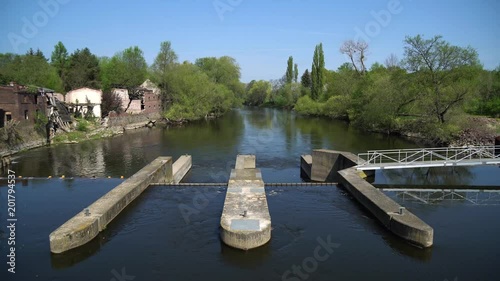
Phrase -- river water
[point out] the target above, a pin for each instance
(153, 240)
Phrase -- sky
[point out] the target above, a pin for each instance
(259, 34)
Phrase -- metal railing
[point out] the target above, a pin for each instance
(415, 157)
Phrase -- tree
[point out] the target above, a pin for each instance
(5, 61)
(30, 70)
(59, 59)
(127, 69)
(225, 71)
(195, 95)
(356, 51)
(289, 71)
(164, 62)
(296, 73)
(445, 73)
(165, 59)
(392, 62)
(40, 54)
(110, 102)
(317, 75)
(305, 80)
(83, 71)
(258, 93)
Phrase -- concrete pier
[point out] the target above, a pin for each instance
(85, 226)
(330, 165)
(305, 166)
(245, 221)
(181, 167)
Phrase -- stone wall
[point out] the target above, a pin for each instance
(124, 119)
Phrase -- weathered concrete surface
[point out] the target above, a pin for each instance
(305, 166)
(181, 167)
(339, 166)
(84, 227)
(245, 162)
(245, 220)
(405, 225)
(135, 125)
(326, 163)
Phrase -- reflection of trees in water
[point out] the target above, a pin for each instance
(430, 176)
(223, 133)
(261, 118)
(338, 135)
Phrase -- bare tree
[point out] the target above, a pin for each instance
(392, 61)
(356, 51)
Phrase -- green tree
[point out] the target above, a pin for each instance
(446, 73)
(31, 70)
(164, 62)
(5, 61)
(258, 92)
(195, 95)
(289, 71)
(59, 59)
(83, 71)
(296, 73)
(225, 71)
(318, 70)
(306, 79)
(127, 69)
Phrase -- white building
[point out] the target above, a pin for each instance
(85, 99)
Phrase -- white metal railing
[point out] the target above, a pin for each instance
(415, 157)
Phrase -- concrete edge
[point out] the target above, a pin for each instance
(181, 167)
(405, 225)
(331, 166)
(82, 228)
(305, 166)
(245, 220)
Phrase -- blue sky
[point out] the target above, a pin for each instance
(259, 34)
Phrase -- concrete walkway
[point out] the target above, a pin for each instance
(245, 220)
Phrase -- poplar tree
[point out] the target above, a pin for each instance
(289, 71)
(317, 75)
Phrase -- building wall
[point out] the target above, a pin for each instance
(20, 106)
(123, 95)
(86, 95)
(152, 102)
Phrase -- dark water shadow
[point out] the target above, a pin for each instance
(82, 253)
(398, 244)
(246, 259)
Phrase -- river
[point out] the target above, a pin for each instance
(153, 240)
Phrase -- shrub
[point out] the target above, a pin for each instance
(305, 105)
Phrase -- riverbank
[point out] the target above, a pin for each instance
(468, 130)
(25, 137)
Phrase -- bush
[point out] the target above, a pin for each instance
(305, 105)
(83, 125)
(336, 107)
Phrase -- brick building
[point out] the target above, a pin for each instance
(17, 103)
(148, 102)
(152, 97)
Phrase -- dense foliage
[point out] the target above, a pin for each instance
(428, 93)
(208, 88)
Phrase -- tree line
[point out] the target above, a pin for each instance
(429, 92)
(208, 87)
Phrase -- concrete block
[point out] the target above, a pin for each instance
(82, 228)
(245, 220)
(245, 162)
(181, 167)
(305, 166)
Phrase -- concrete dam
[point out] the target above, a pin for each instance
(245, 221)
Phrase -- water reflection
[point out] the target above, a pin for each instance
(428, 176)
(246, 259)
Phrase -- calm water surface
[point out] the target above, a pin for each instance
(153, 240)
